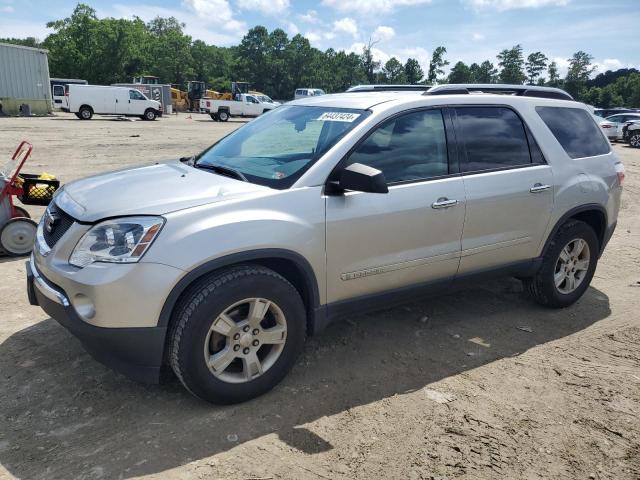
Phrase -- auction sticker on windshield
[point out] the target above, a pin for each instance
(338, 117)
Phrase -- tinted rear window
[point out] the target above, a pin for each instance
(494, 138)
(575, 130)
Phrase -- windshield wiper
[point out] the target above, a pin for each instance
(219, 169)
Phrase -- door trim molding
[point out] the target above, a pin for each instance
(495, 246)
(393, 267)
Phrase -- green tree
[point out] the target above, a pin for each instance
(511, 63)
(369, 65)
(393, 71)
(554, 76)
(171, 50)
(25, 42)
(436, 65)
(483, 73)
(460, 73)
(535, 65)
(580, 69)
(253, 57)
(413, 71)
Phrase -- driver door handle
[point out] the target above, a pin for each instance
(444, 202)
(538, 187)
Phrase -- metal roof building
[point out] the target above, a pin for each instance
(24, 79)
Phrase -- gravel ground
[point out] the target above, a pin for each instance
(478, 384)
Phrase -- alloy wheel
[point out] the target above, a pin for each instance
(245, 340)
(572, 266)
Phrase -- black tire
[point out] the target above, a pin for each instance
(201, 306)
(20, 212)
(214, 117)
(542, 288)
(85, 113)
(149, 114)
(78, 115)
(634, 139)
(223, 115)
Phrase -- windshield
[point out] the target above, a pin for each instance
(277, 148)
(265, 99)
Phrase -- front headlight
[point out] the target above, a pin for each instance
(120, 240)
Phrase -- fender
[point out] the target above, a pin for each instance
(311, 283)
(573, 212)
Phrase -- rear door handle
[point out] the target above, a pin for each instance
(538, 187)
(444, 202)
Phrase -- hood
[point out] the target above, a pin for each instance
(148, 190)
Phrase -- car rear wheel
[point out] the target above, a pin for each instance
(223, 116)
(567, 267)
(85, 113)
(634, 139)
(237, 333)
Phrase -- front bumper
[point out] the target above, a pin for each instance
(136, 352)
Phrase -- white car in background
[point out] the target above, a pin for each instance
(307, 92)
(613, 125)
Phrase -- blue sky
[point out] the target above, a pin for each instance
(472, 30)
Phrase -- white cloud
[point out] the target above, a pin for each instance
(384, 33)
(216, 12)
(267, 7)
(346, 25)
(563, 65)
(366, 7)
(292, 28)
(502, 5)
(421, 54)
(310, 17)
(7, 9)
(611, 64)
(378, 55)
(199, 27)
(478, 36)
(12, 28)
(313, 37)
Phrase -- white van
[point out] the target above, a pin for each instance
(307, 92)
(85, 100)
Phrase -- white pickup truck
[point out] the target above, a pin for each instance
(245, 105)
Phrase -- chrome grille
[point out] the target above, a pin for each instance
(56, 224)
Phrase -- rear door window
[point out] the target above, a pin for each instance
(575, 130)
(494, 138)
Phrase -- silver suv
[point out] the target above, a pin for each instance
(219, 265)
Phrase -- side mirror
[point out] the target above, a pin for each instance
(361, 178)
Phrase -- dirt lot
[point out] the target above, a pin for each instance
(480, 384)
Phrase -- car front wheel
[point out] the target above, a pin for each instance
(634, 139)
(149, 114)
(237, 333)
(567, 267)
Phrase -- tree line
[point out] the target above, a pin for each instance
(109, 50)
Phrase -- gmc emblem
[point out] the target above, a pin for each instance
(49, 221)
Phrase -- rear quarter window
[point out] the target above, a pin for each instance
(575, 130)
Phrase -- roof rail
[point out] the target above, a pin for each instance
(388, 88)
(518, 90)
